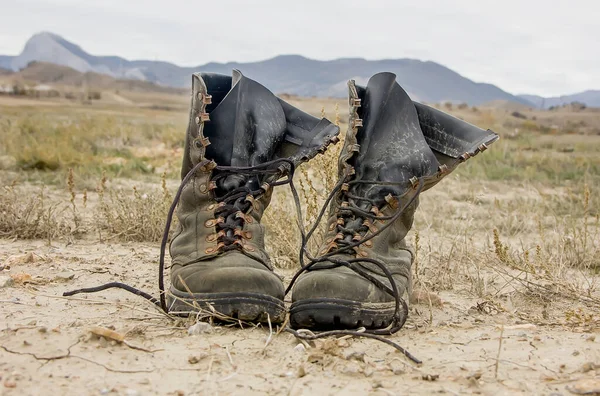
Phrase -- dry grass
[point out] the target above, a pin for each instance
(32, 217)
(133, 216)
(519, 220)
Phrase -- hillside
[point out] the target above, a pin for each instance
(48, 73)
(591, 98)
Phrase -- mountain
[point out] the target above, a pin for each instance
(591, 98)
(57, 75)
(293, 74)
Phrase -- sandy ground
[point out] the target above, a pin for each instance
(46, 345)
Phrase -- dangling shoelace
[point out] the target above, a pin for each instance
(400, 309)
(230, 200)
(281, 167)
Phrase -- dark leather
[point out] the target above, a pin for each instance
(405, 139)
(392, 145)
(249, 126)
(242, 136)
(450, 137)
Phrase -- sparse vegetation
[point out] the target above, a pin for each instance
(511, 237)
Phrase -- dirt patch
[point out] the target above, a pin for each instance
(46, 341)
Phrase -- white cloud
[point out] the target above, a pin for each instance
(531, 46)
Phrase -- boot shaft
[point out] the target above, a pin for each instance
(235, 126)
(391, 139)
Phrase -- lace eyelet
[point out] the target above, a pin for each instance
(210, 223)
(210, 250)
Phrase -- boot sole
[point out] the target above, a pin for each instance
(330, 313)
(250, 307)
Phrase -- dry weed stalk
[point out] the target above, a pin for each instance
(314, 179)
(30, 216)
(136, 217)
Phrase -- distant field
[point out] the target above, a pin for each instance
(511, 238)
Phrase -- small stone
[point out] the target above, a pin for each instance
(6, 281)
(200, 328)
(102, 342)
(300, 348)
(589, 366)
(144, 381)
(64, 276)
(430, 377)
(589, 386)
(10, 384)
(131, 392)
(351, 369)
(193, 359)
(591, 338)
(358, 356)
(301, 372)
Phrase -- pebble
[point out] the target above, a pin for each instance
(6, 281)
(200, 328)
(10, 384)
(64, 276)
(587, 386)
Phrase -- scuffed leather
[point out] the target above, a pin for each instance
(390, 138)
(246, 125)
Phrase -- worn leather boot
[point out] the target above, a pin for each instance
(394, 149)
(240, 141)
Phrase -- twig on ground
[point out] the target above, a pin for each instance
(499, 350)
(270, 332)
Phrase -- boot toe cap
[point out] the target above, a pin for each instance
(338, 283)
(231, 277)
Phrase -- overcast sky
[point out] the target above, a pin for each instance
(523, 46)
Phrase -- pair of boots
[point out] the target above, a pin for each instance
(242, 140)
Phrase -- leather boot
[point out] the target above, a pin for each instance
(394, 149)
(240, 141)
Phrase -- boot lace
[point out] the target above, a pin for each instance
(277, 169)
(285, 167)
(352, 235)
(235, 205)
(353, 220)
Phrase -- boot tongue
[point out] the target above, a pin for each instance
(392, 145)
